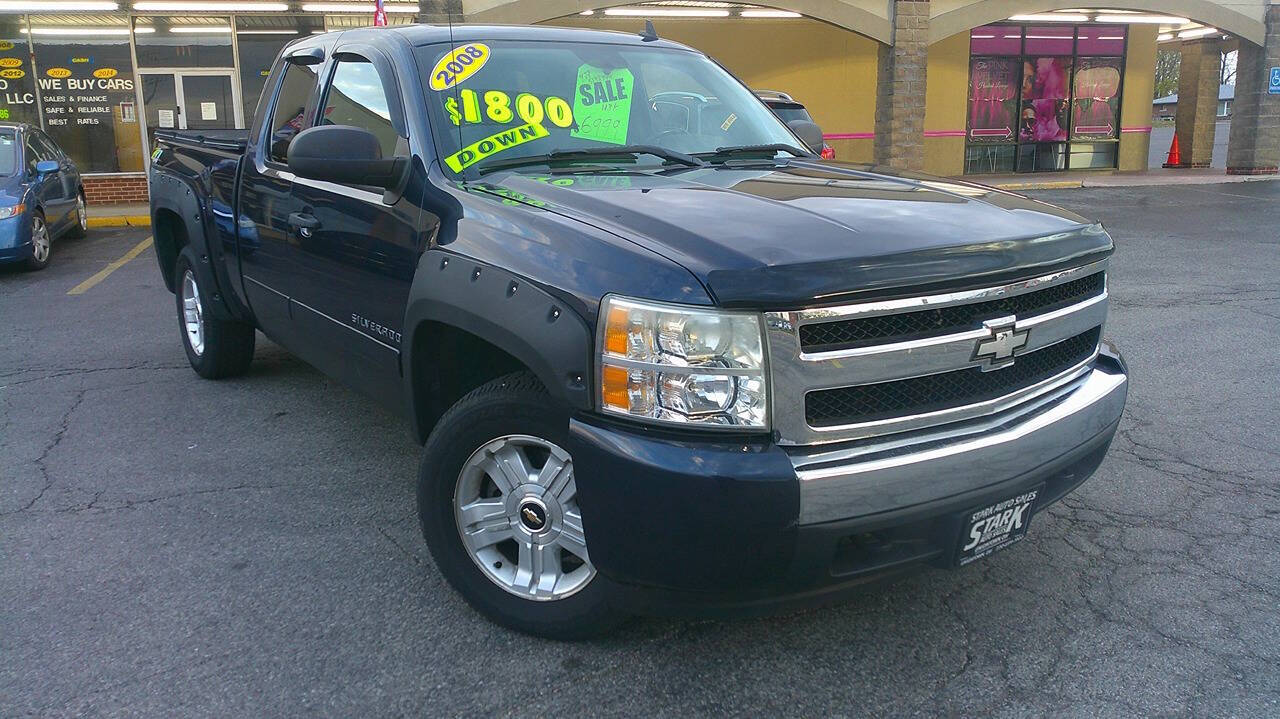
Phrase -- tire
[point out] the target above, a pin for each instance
(81, 226)
(216, 348)
(41, 242)
(572, 601)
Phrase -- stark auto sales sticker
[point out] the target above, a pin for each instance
(996, 526)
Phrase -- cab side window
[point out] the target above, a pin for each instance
(288, 114)
(356, 97)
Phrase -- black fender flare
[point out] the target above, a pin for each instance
(506, 310)
(175, 194)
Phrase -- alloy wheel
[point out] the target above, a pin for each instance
(517, 512)
(39, 239)
(192, 313)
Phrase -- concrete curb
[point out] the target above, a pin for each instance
(1113, 180)
(1048, 185)
(120, 221)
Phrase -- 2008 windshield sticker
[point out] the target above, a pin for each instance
(602, 104)
(493, 144)
(456, 66)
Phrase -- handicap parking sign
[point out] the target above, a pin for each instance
(1274, 87)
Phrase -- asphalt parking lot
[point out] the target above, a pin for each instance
(176, 547)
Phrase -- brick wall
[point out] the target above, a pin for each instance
(900, 88)
(1254, 148)
(117, 189)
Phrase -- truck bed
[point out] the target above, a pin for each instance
(233, 141)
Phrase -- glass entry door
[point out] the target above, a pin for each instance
(190, 100)
(207, 102)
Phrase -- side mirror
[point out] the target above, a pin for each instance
(47, 167)
(346, 155)
(809, 132)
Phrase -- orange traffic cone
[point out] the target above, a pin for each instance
(1175, 155)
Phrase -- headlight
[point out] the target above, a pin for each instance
(11, 211)
(682, 365)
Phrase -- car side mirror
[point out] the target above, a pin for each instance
(46, 167)
(809, 132)
(346, 155)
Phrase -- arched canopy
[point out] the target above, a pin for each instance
(1247, 25)
(861, 16)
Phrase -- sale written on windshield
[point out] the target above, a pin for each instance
(506, 97)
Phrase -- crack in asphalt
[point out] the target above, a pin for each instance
(76, 371)
(413, 557)
(134, 503)
(40, 462)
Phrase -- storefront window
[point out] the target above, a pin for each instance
(1045, 90)
(86, 87)
(74, 75)
(180, 41)
(996, 40)
(1053, 104)
(1052, 40)
(1101, 40)
(17, 81)
(1095, 104)
(260, 39)
(993, 99)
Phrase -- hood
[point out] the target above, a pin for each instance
(12, 189)
(777, 236)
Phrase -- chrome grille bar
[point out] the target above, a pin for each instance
(795, 372)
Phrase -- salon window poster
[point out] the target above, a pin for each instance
(1096, 105)
(1046, 86)
(993, 99)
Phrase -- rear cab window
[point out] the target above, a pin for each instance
(790, 111)
(288, 112)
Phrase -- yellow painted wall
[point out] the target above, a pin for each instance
(1139, 88)
(833, 72)
(946, 97)
(830, 70)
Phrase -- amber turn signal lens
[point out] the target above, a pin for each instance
(615, 335)
(614, 387)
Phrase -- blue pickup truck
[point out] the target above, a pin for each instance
(661, 356)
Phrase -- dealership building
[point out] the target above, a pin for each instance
(949, 87)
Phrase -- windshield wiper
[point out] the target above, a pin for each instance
(726, 153)
(621, 151)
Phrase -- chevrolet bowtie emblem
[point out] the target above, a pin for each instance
(1003, 341)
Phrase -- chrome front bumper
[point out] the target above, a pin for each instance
(866, 477)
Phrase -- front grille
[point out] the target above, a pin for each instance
(886, 329)
(947, 390)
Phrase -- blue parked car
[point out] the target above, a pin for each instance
(41, 196)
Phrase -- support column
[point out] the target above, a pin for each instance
(439, 11)
(1254, 148)
(900, 88)
(1199, 76)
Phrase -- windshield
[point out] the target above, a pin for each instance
(494, 101)
(8, 153)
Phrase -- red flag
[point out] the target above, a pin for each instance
(379, 14)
